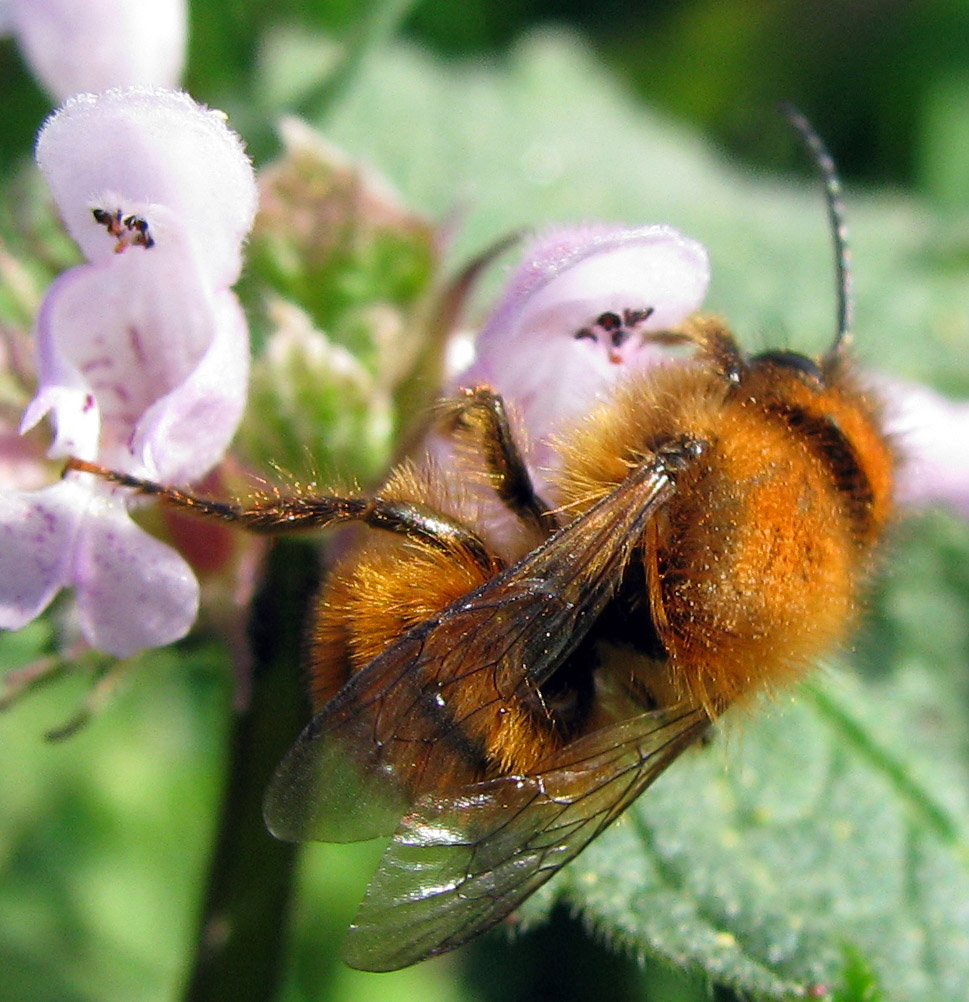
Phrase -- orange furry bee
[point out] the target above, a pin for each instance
(494, 699)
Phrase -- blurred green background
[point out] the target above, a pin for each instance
(105, 838)
(884, 81)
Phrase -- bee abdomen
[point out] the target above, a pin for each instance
(756, 567)
(841, 459)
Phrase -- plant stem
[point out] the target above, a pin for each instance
(241, 933)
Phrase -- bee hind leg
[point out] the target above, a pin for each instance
(278, 514)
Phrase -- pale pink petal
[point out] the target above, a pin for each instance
(541, 348)
(91, 45)
(186, 432)
(37, 535)
(622, 267)
(133, 592)
(64, 392)
(932, 435)
(142, 150)
(112, 339)
(75, 417)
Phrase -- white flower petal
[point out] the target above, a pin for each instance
(133, 592)
(91, 45)
(141, 149)
(186, 432)
(64, 392)
(38, 530)
(599, 267)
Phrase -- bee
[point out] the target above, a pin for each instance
(494, 701)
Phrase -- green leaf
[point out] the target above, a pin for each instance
(835, 818)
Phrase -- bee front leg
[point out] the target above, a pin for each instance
(478, 421)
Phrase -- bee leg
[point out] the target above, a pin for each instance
(479, 415)
(279, 515)
(717, 344)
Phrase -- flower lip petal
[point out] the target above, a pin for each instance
(133, 592)
(130, 150)
(37, 535)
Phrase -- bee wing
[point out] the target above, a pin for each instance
(398, 729)
(458, 865)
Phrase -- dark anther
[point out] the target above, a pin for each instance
(620, 336)
(633, 317)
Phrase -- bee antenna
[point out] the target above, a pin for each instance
(839, 231)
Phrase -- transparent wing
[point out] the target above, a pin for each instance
(458, 865)
(399, 728)
(390, 734)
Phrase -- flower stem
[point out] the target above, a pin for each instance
(241, 933)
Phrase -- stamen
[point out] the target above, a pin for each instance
(128, 231)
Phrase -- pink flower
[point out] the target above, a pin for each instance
(92, 45)
(142, 356)
(573, 316)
